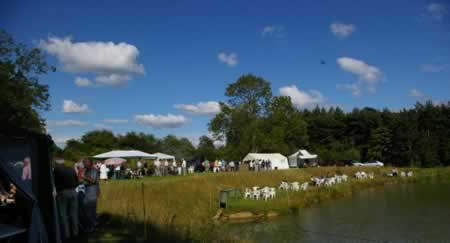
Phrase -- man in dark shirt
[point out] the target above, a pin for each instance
(66, 181)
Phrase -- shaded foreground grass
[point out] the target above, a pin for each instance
(181, 208)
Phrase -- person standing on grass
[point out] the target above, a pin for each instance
(183, 166)
(174, 167)
(66, 181)
(166, 167)
(231, 166)
(90, 180)
(145, 173)
(139, 168)
(103, 171)
(157, 164)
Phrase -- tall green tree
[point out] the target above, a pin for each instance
(240, 121)
(22, 97)
(206, 149)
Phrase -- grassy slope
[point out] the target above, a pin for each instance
(181, 208)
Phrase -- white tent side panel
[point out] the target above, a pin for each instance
(293, 159)
(278, 161)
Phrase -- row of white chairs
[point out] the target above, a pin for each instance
(329, 181)
(265, 193)
(294, 186)
(361, 175)
(395, 172)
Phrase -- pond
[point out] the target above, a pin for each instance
(396, 213)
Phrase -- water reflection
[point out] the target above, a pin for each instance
(396, 213)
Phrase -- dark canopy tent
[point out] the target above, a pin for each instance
(36, 187)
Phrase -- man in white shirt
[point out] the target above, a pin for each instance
(231, 166)
(158, 167)
(183, 166)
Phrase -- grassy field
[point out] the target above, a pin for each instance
(180, 208)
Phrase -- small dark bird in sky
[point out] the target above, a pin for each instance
(322, 62)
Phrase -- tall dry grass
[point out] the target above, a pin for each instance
(183, 206)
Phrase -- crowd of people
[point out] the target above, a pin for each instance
(259, 165)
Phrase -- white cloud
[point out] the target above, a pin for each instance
(302, 99)
(201, 108)
(67, 123)
(82, 82)
(273, 31)
(416, 93)
(230, 59)
(102, 126)
(161, 121)
(112, 63)
(342, 30)
(103, 80)
(368, 75)
(116, 121)
(436, 10)
(71, 107)
(435, 68)
(365, 72)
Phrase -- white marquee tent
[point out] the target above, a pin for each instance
(278, 161)
(298, 158)
(162, 156)
(125, 154)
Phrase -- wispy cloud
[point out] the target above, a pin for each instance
(70, 106)
(342, 30)
(276, 31)
(116, 121)
(66, 123)
(416, 93)
(161, 121)
(230, 59)
(436, 10)
(201, 108)
(435, 68)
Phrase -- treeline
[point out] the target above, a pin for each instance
(252, 120)
(100, 141)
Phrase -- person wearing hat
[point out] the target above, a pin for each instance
(66, 181)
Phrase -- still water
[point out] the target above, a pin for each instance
(396, 213)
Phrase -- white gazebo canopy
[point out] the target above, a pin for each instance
(162, 156)
(124, 154)
(277, 160)
(303, 154)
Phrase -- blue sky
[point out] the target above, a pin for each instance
(161, 66)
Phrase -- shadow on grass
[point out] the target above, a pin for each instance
(113, 228)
